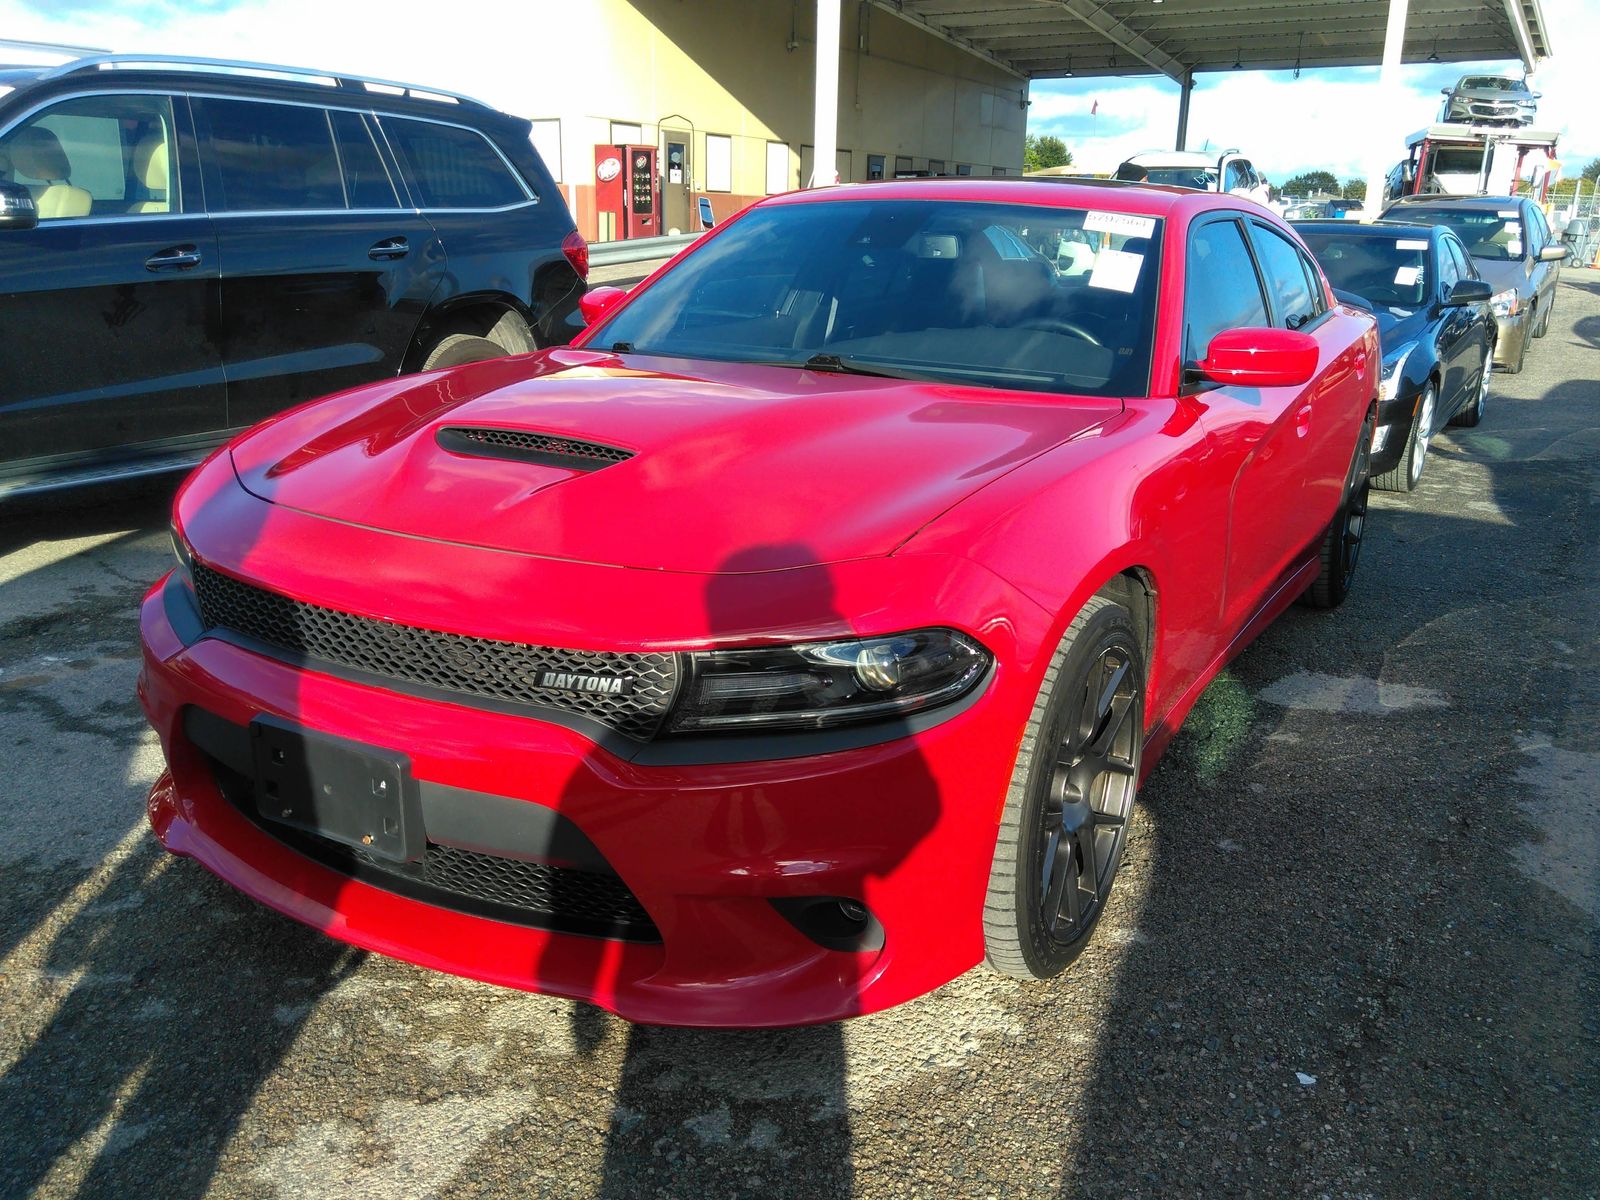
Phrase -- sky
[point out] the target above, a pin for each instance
(1329, 119)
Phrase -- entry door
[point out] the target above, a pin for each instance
(109, 331)
(1258, 445)
(324, 275)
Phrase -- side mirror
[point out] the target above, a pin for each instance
(1468, 291)
(706, 219)
(1445, 91)
(1261, 358)
(17, 209)
(1554, 253)
(597, 302)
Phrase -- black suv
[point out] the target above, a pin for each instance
(188, 246)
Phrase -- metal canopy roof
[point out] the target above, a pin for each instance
(1052, 39)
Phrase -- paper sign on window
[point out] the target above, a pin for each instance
(1116, 270)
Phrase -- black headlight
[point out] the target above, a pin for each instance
(822, 685)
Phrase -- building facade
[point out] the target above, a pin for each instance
(723, 91)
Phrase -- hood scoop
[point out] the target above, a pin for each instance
(523, 445)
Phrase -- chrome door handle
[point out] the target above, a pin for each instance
(389, 248)
(176, 258)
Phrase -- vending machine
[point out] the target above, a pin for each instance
(627, 193)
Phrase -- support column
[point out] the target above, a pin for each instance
(825, 134)
(1187, 84)
(1394, 44)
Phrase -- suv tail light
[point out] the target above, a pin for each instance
(577, 252)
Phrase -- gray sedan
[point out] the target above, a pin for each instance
(1510, 244)
(1490, 100)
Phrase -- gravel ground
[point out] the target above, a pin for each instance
(1352, 953)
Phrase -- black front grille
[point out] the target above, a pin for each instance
(504, 671)
(539, 895)
(527, 446)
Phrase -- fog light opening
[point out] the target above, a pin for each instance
(833, 922)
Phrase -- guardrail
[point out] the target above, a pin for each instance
(632, 250)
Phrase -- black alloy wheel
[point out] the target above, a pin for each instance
(1066, 816)
(1341, 544)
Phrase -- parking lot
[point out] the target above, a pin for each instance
(1352, 952)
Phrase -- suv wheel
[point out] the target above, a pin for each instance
(457, 348)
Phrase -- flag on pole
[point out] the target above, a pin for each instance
(1094, 108)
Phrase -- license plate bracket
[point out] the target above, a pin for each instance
(361, 796)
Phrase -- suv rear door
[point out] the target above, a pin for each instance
(498, 214)
(325, 271)
(109, 333)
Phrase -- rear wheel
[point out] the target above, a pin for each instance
(1406, 473)
(1071, 796)
(457, 348)
(1341, 544)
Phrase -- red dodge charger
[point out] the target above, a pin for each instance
(794, 640)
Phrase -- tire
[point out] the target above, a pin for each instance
(1469, 416)
(1341, 544)
(1407, 473)
(456, 349)
(1078, 764)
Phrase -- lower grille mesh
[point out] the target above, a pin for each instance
(496, 670)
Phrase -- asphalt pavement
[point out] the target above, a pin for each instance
(1352, 951)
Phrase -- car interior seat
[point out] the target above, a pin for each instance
(37, 154)
(150, 162)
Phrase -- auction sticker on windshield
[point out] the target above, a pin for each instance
(1124, 223)
(1117, 270)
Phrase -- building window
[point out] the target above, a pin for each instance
(936, 166)
(963, 168)
(874, 166)
(902, 165)
(719, 162)
(777, 167)
(546, 138)
(625, 134)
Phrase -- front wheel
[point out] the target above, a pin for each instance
(1341, 544)
(1473, 413)
(1407, 473)
(1071, 797)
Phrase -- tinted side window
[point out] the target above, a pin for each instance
(1449, 269)
(1286, 277)
(366, 179)
(271, 157)
(96, 156)
(1222, 290)
(453, 167)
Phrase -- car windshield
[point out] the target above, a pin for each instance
(1202, 178)
(1390, 271)
(1456, 162)
(1491, 234)
(1492, 83)
(1009, 296)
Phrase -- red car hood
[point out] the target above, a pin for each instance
(757, 468)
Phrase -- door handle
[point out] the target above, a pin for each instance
(389, 248)
(174, 258)
(1302, 420)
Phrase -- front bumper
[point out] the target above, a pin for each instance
(1392, 431)
(906, 827)
(1510, 334)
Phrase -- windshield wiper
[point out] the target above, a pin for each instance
(843, 364)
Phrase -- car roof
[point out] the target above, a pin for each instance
(1139, 199)
(1174, 158)
(1369, 228)
(1471, 203)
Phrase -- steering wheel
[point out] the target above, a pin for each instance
(1062, 325)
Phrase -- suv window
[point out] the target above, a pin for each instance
(1222, 290)
(271, 157)
(1286, 277)
(96, 156)
(366, 179)
(453, 167)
